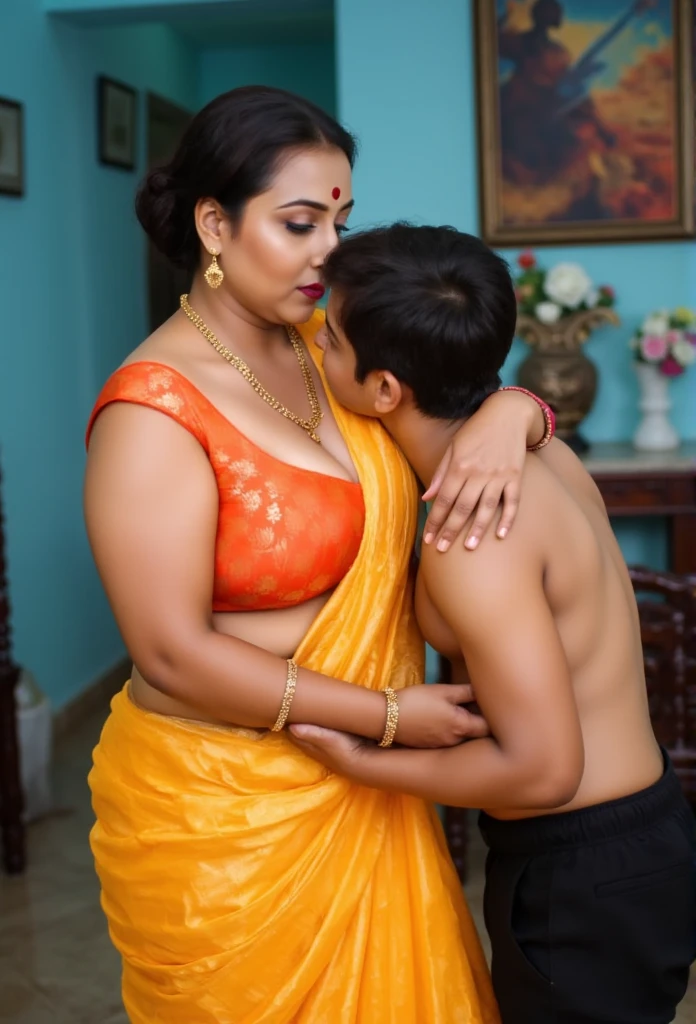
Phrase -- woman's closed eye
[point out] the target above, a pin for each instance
(303, 229)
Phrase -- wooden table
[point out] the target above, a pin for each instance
(651, 484)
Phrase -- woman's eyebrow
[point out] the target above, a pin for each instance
(313, 205)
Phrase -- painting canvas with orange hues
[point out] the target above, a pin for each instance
(585, 120)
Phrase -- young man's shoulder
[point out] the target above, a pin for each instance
(496, 561)
(570, 472)
(556, 491)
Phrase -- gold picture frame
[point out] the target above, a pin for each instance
(617, 169)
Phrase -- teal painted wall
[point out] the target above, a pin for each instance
(406, 86)
(308, 69)
(84, 307)
(72, 290)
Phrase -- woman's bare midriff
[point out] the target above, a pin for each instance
(278, 631)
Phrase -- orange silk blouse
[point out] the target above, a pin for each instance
(285, 534)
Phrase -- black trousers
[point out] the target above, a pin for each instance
(592, 914)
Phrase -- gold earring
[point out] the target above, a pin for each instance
(214, 275)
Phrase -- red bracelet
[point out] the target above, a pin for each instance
(549, 418)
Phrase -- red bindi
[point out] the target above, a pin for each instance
(336, 192)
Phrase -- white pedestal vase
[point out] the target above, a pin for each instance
(655, 433)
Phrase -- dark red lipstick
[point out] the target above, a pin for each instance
(313, 291)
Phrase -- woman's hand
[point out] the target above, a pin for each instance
(482, 466)
(430, 716)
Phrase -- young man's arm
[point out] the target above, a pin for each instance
(495, 603)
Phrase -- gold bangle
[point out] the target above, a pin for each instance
(392, 717)
(289, 693)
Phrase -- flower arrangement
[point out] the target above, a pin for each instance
(550, 295)
(667, 340)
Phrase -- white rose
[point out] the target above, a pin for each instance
(592, 298)
(567, 284)
(657, 323)
(547, 312)
(684, 352)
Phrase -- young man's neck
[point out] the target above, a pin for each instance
(423, 441)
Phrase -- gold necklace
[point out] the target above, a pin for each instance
(310, 425)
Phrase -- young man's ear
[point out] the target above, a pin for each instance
(388, 392)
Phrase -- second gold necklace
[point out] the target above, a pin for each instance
(308, 425)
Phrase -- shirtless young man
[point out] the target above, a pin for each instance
(590, 892)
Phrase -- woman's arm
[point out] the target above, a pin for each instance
(151, 505)
(482, 466)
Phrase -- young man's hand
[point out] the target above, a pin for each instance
(339, 751)
(354, 757)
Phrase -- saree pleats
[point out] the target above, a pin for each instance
(244, 883)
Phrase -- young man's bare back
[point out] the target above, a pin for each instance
(590, 898)
(563, 554)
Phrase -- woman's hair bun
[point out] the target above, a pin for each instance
(160, 209)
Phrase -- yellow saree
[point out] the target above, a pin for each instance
(245, 884)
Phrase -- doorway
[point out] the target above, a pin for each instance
(166, 123)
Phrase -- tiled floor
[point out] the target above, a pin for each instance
(56, 963)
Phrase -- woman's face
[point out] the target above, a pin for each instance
(340, 364)
(273, 258)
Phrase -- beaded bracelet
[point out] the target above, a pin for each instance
(289, 693)
(392, 717)
(549, 418)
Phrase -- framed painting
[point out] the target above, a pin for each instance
(116, 124)
(586, 120)
(11, 148)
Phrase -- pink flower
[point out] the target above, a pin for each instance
(671, 368)
(653, 347)
(606, 289)
(691, 337)
(672, 337)
(527, 260)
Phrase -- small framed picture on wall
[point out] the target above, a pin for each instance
(11, 148)
(586, 120)
(117, 123)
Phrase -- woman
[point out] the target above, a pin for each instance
(256, 559)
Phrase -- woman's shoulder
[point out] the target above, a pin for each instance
(157, 385)
(148, 378)
(151, 380)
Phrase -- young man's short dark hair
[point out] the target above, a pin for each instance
(429, 304)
